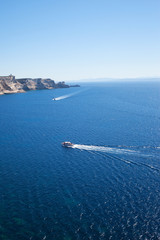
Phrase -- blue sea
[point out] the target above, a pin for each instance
(107, 186)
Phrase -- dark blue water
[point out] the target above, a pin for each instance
(106, 187)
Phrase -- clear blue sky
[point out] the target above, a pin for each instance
(76, 39)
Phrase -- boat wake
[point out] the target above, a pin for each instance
(109, 151)
(66, 96)
(104, 149)
(62, 97)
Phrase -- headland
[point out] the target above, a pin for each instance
(9, 84)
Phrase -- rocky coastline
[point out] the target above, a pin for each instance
(9, 84)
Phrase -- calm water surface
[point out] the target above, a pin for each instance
(106, 187)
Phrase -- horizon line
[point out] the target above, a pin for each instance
(113, 78)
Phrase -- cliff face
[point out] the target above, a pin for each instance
(12, 85)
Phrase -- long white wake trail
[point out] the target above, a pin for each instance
(114, 151)
(62, 97)
(66, 96)
(103, 149)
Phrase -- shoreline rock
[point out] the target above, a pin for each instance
(9, 84)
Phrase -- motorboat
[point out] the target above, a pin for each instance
(67, 144)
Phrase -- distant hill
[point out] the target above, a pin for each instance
(9, 84)
(140, 79)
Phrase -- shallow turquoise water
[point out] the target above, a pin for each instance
(106, 187)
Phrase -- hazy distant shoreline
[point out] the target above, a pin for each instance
(140, 79)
